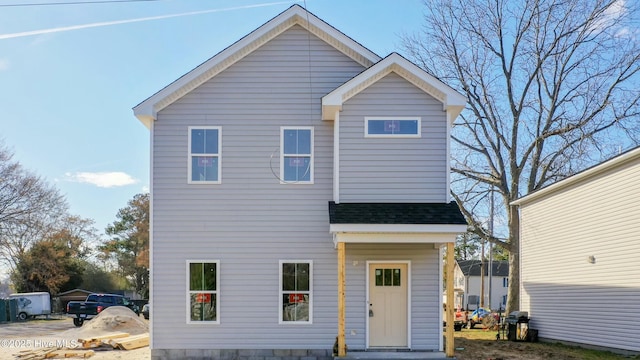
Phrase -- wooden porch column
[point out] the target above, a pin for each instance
(449, 350)
(342, 349)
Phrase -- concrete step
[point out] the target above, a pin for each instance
(393, 355)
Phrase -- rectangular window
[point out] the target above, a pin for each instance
(202, 297)
(204, 154)
(388, 277)
(392, 127)
(296, 155)
(295, 292)
(505, 282)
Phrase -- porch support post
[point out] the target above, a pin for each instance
(342, 349)
(449, 349)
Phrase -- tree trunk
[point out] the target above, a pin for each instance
(513, 291)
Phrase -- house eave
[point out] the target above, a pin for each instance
(147, 110)
(630, 155)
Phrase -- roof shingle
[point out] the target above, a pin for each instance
(396, 213)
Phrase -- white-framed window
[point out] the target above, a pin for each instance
(203, 301)
(505, 282)
(296, 155)
(296, 290)
(393, 127)
(204, 154)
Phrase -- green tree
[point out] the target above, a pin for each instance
(57, 262)
(49, 265)
(97, 279)
(129, 243)
(467, 246)
(550, 84)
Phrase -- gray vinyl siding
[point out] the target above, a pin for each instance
(567, 297)
(425, 295)
(393, 169)
(250, 221)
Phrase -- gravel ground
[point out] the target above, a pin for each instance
(59, 331)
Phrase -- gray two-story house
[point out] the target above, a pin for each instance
(299, 193)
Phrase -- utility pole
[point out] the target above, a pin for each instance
(482, 275)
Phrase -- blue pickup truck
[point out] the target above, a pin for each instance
(94, 304)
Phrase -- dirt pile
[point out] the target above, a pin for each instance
(111, 320)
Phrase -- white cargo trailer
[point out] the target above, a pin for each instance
(32, 304)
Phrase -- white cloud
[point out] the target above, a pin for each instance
(102, 179)
(4, 64)
(145, 189)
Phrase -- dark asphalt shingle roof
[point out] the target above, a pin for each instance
(472, 268)
(396, 213)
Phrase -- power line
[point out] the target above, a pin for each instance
(76, 3)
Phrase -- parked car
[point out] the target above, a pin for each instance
(93, 305)
(134, 307)
(145, 311)
(484, 317)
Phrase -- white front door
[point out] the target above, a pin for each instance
(388, 305)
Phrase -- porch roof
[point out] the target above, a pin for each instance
(396, 218)
(396, 213)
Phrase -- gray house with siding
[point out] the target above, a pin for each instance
(299, 192)
(579, 247)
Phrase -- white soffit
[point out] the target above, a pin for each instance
(147, 110)
(452, 101)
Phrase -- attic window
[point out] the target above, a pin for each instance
(392, 127)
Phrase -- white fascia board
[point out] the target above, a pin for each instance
(452, 101)
(395, 238)
(295, 15)
(584, 175)
(397, 228)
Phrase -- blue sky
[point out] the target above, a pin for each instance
(66, 91)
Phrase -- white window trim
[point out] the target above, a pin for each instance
(216, 292)
(218, 155)
(282, 155)
(414, 118)
(281, 293)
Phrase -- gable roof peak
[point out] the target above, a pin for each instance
(147, 110)
(452, 101)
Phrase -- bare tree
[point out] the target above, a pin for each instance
(552, 87)
(29, 208)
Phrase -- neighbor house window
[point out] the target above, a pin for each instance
(202, 297)
(296, 156)
(204, 154)
(392, 127)
(505, 282)
(295, 291)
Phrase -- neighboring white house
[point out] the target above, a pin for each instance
(496, 287)
(579, 249)
(300, 189)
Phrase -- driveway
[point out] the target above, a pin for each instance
(35, 328)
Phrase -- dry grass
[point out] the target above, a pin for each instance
(478, 344)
